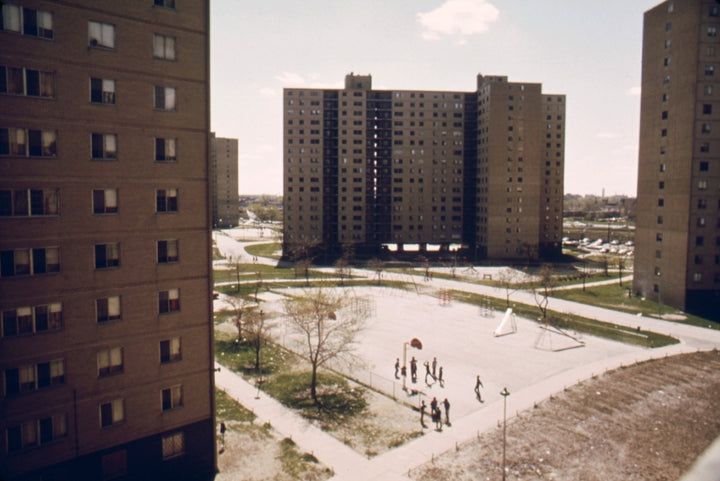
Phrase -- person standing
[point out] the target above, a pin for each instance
(440, 377)
(446, 404)
(427, 372)
(478, 385)
(397, 368)
(422, 413)
(434, 368)
(413, 369)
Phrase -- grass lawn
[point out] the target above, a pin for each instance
(265, 250)
(614, 296)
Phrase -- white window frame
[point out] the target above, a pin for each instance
(171, 398)
(165, 149)
(109, 146)
(165, 98)
(109, 202)
(174, 350)
(110, 361)
(164, 47)
(25, 202)
(112, 308)
(168, 251)
(101, 35)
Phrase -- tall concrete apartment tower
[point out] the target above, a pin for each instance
(224, 174)
(677, 256)
(483, 170)
(106, 357)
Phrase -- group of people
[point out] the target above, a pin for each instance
(435, 413)
(432, 371)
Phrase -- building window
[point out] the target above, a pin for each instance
(34, 376)
(114, 464)
(112, 412)
(172, 397)
(701, 222)
(25, 262)
(702, 184)
(169, 301)
(163, 47)
(658, 237)
(36, 432)
(104, 146)
(28, 202)
(28, 320)
(173, 445)
(661, 202)
(164, 98)
(705, 128)
(107, 255)
(707, 109)
(704, 166)
(663, 133)
(170, 350)
(659, 219)
(708, 90)
(105, 201)
(699, 241)
(35, 23)
(697, 277)
(102, 91)
(110, 361)
(712, 31)
(24, 81)
(27, 143)
(101, 35)
(705, 147)
(167, 251)
(164, 3)
(108, 309)
(710, 70)
(165, 150)
(167, 200)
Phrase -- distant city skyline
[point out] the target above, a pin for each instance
(590, 52)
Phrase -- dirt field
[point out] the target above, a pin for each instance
(645, 422)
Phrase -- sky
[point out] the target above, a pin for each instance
(589, 51)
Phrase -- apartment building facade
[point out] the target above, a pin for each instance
(224, 175)
(478, 171)
(106, 357)
(677, 255)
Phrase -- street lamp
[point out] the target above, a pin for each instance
(504, 393)
(415, 342)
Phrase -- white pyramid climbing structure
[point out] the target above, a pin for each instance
(508, 325)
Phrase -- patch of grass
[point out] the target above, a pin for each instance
(293, 462)
(339, 401)
(240, 357)
(222, 316)
(227, 409)
(264, 250)
(616, 297)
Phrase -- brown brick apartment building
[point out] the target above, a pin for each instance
(106, 358)
(481, 170)
(677, 256)
(224, 177)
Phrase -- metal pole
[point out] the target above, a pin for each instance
(504, 393)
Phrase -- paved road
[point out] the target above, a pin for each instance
(394, 465)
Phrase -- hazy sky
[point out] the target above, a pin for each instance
(590, 51)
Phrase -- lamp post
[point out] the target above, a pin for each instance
(504, 393)
(659, 299)
(415, 342)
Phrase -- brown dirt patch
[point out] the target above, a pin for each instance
(645, 422)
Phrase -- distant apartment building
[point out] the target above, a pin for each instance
(478, 171)
(677, 255)
(106, 355)
(224, 174)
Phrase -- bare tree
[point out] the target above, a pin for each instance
(257, 329)
(301, 253)
(544, 290)
(376, 265)
(328, 325)
(240, 307)
(342, 269)
(509, 278)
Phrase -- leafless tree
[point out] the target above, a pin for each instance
(257, 329)
(509, 278)
(543, 291)
(240, 307)
(342, 269)
(328, 325)
(376, 265)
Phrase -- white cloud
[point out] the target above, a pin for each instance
(634, 91)
(290, 79)
(458, 17)
(268, 92)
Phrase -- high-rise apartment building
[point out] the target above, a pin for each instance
(677, 255)
(224, 175)
(106, 358)
(367, 168)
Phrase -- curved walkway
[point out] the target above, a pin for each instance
(393, 465)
